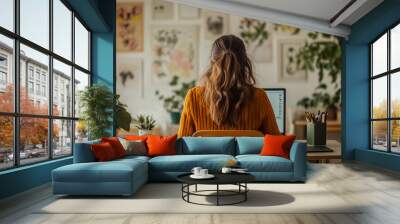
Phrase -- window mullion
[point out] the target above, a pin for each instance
(389, 112)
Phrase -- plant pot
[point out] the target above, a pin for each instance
(175, 117)
(144, 132)
(332, 113)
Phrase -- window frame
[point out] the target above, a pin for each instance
(16, 114)
(388, 74)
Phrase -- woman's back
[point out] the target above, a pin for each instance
(227, 99)
(256, 114)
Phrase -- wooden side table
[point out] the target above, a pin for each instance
(327, 157)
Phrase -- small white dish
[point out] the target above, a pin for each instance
(200, 177)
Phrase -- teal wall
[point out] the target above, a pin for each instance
(355, 85)
(99, 16)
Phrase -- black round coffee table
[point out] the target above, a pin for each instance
(238, 179)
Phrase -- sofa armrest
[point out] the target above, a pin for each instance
(83, 152)
(298, 155)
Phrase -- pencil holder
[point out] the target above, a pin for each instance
(316, 133)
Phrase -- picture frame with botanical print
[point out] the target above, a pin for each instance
(129, 78)
(129, 27)
(258, 39)
(174, 52)
(287, 70)
(162, 10)
(188, 12)
(216, 24)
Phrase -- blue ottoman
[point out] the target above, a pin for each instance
(118, 177)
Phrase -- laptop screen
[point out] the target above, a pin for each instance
(277, 97)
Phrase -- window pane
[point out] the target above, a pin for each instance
(81, 81)
(35, 21)
(395, 138)
(395, 94)
(7, 14)
(379, 135)
(6, 75)
(62, 29)
(6, 142)
(33, 139)
(81, 131)
(395, 47)
(379, 56)
(62, 89)
(81, 45)
(379, 97)
(34, 97)
(62, 138)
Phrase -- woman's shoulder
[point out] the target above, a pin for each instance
(259, 93)
(195, 90)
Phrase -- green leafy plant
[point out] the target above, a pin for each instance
(321, 54)
(98, 105)
(144, 122)
(174, 102)
(253, 31)
(122, 117)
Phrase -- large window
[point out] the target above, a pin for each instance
(44, 64)
(385, 91)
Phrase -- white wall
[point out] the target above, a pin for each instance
(266, 73)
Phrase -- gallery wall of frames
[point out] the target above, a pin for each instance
(162, 45)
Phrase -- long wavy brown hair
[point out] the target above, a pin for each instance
(229, 80)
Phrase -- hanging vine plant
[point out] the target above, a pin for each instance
(323, 55)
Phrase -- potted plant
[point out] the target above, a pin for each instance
(173, 104)
(144, 123)
(323, 55)
(99, 105)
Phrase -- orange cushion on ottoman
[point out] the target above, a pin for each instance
(277, 145)
(161, 145)
(103, 152)
(116, 145)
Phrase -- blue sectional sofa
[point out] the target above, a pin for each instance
(125, 176)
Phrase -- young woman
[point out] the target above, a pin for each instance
(227, 98)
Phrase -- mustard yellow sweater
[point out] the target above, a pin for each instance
(257, 114)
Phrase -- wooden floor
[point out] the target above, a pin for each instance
(379, 189)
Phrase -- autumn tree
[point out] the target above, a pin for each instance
(33, 131)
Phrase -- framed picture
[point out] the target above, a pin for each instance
(162, 10)
(258, 39)
(129, 78)
(188, 12)
(129, 26)
(174, 52)
(287, 69)
(216, 24)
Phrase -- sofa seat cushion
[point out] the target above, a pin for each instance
(257, 163)
(185, 163)
(113, 171)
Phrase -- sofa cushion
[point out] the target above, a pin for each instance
(185, 163)
(257, 163)
(249, 145)
(112, 171)
(208, 145)
(83, 152)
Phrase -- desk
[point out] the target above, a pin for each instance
(327, 157)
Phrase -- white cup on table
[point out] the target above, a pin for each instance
(196, 171)
(203, 172)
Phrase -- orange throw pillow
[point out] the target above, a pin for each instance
(116, 145)
(103, 152)
(161, 145)
(142, 138)
(277, 145)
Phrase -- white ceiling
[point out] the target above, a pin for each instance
(313, 15)
(320, 9)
